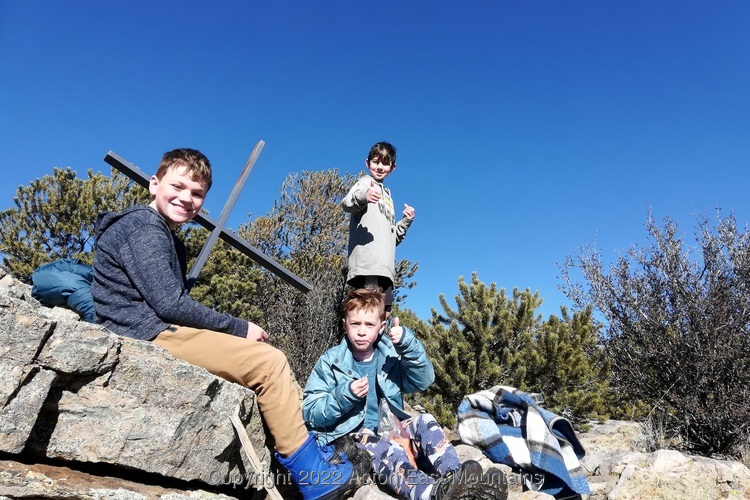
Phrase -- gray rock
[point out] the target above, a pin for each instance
(80, 349)
(18, 480)
(24, 390)
(22, 334)
(619, 468)
(76, 392)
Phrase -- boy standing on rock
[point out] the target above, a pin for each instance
(373, 230)
(139, 291)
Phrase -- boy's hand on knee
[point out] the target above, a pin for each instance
(254, 332)
(396, 331)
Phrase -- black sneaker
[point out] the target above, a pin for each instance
(470, 483)
(360, 459)
(496, 481)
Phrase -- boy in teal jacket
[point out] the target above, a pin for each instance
(343, 394)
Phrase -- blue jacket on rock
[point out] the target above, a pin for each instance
(65, 282)
(332, 410)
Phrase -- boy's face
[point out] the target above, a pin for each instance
(177, 197)
(378, 170)
(362, 328)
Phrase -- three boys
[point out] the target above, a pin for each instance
(139, 291)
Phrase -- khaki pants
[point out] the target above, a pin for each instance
(259, 366)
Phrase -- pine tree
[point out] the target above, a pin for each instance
(491, 339)
(478, 344)
(54, 217)
(565, 363)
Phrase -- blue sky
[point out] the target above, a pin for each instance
(524, 129)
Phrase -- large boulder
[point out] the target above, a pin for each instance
(73, 391)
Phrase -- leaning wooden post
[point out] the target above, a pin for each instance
(252, 456)
(228, 206)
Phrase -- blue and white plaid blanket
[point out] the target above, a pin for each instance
(510, 428)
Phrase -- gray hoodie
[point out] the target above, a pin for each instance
(139, 279)
(373, 231)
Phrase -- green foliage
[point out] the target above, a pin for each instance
(677, 327)
(565, 363)
(306, 232)
(405, 271)
(54, 217)
(491, 339)
(478, 344)
(228, 280)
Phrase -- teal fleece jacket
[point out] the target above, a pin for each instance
(139, 286)
(332, 410)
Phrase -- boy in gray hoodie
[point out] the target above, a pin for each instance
(139, 291)
(373, 230)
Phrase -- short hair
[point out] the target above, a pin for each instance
(197, 165)
(368, 298)
(383, 151)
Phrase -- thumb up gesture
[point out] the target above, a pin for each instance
(373, 192)
(409, 211)
(396, 331)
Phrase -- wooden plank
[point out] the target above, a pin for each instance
(138, 176)
(268, 483)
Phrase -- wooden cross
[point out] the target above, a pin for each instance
(217, 228)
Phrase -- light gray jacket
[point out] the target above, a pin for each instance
(373, 231)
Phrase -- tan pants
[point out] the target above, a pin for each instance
(256, 365)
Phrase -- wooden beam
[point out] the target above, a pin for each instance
(226, 234)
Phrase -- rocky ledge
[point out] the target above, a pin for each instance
(87, 414)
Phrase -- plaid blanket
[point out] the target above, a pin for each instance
(510, 428)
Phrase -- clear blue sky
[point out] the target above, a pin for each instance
(524, 129)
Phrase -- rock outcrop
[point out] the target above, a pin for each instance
(73, 392)
(87, 414)
(620, 467)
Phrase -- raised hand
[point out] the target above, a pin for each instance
(409, 211)
(396, 331)
(360, 387)
(373, 192)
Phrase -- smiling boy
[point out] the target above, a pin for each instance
(139, 291)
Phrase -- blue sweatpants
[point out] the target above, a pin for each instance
(435, 456)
